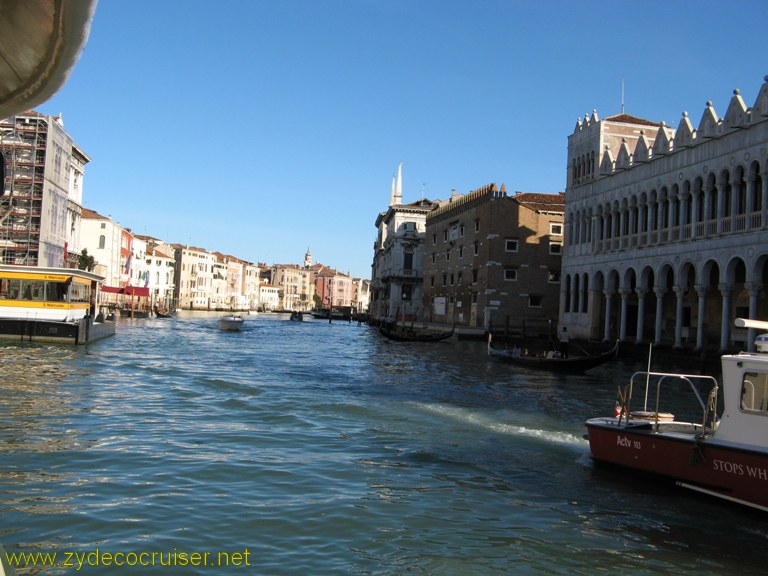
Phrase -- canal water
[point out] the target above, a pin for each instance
(316, 448)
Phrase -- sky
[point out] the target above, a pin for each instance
(262, 128)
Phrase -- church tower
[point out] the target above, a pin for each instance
(396, 197)
(308, 259)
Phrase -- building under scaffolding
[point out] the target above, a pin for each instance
(41, 200)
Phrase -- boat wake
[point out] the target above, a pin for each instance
(520, 424)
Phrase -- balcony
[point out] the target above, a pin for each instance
(404, 273)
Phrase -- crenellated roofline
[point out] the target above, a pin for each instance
(633, 141)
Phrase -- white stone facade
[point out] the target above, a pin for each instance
(667, 230)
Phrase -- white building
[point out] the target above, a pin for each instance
(251, 286)
(194, 277)
(397, 275)
(667, 230)
(269, 298)
(361, 299)
(102, 237)
(159, 272)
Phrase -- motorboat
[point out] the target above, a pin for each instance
(724, 455)
(231, 322)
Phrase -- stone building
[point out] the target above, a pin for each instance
(493, 261)
(159, 271)
(295, 287)
(105, 240)
(194, 277)
(667, 230)
(397, 271)
(41, 195)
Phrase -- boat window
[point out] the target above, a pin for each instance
(56, 291)
(14, 289)
(754, 392)
(3, 289)
(80, 293)
(34, 290)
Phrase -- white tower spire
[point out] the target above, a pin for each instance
(399, 185)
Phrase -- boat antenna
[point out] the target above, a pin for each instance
(648, 376)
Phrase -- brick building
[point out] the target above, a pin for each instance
(493, 260)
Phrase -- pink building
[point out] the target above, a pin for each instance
(332, 287)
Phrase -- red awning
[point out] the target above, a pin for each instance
(137, 291)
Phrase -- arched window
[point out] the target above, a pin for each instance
(102, 241)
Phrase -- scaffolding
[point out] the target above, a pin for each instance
(23, 141)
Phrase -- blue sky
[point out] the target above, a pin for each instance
(259, 128)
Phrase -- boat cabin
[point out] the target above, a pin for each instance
(745, 398)
(47, 294)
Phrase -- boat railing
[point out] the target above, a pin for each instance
(696, 382)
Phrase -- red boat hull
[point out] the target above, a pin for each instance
(725, 471)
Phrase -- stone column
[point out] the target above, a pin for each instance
(707, 207)
(734, 206)
(659, 313)
(725, 328)
(640, 314)
(624, 294)
(754, 289)
(764, 205)
(670, 217)
(680, 295)
(749, 209)
(694, 212)
(649, 221)
(594, 312)
(607, 324)
(701, 292)
(684, 221)
(720, 205)
(620, 218)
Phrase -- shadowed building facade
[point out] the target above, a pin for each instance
(493, 261)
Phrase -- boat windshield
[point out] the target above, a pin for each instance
(754, 393)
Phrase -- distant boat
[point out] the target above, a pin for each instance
(403, 334)
(338, 313)
(231, 322)
(297, 316)
(552, 361)
(159, 314)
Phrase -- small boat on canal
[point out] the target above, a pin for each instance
(231, 323)
(410, 334)
(725, 456)
(551, 360)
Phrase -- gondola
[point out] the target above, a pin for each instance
(402, 334)
(550, 362)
